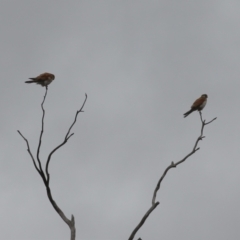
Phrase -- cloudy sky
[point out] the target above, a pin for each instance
(142, 64)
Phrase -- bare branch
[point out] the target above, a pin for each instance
(29, 151)
(41, 134)
(80, 110)
(64, 141)
(210, 121)
(143, 220)
(172, 165)
(70, 223)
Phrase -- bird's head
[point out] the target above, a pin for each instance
(205, 95)
(51, 76)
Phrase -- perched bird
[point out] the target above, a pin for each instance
(43, 79)
(199, 104)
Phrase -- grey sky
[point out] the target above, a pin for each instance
(142, 64)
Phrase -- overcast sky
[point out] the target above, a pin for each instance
(142, 64)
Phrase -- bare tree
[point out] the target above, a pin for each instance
(172, 165)
(45, 175)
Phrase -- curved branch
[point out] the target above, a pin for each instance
(172, 165)
(70, 223)
(65, 139)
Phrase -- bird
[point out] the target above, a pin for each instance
(199, 104)
(43, 79)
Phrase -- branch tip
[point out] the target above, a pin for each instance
(211, 121)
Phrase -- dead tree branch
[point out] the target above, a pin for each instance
(46, 176)
(172, 165)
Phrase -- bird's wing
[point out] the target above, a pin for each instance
(41, 78)
(198, 103)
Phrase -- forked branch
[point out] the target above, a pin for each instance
(65, 139)
(46, 176)
(172, 165)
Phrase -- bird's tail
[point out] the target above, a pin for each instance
(33, 80)
(187, 113)
(29, 81)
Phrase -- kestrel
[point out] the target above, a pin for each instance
(43, 79)
(199, 104)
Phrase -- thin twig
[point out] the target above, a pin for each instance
(29, 151)
(80, 110)
(41, 134)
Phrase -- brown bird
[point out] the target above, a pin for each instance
(199, 104)
(43, 79)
